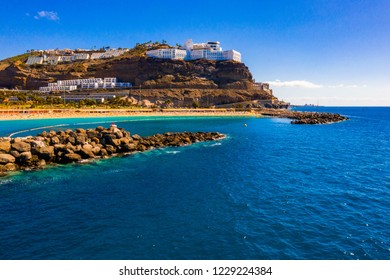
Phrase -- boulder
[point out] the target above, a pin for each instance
(10, 167)
(14, 153)
(69, 146)
(86, 154)
(117, 133)
(87, 147)
(16, 140)
(24, 157)
(71, 140)
(41, 163)
(136, 137)
(124, 140)
(59, 147)
(96, 150)
(5, 146)
(52, 133)
(110, 149)
(81, 139)
(126, 134)
(111, 139)
(68, 158)
(37, 144)
(54, 140)
(91, 133)
(103, 152)
(129, 147)
(96, 140)
(67, 151)
(46, 153)
(6, 158)
(141, 148)
(21, 146)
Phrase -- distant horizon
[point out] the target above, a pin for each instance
(336, 52)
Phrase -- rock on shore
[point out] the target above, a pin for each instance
(315, 118)
(69, 146)
(306, 117)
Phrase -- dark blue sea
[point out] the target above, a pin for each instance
(270, 190)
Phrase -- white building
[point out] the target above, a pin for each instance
(67, 58)
(90, 83)
(57, 88)
(67, 55)
(80, 56)
(54, 59)
(168, 53)
(112, 53)
(96, 55)
(211, 50)
(189, 45)
(108, 54)
(35, 60)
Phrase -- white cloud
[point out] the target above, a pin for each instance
(307, 84)
(295, 83)
(47, 15)
(343, 86)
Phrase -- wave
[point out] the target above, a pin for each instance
(172, 152)
(36, 128)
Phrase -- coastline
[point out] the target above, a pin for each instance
(296, 117)
(20, 114)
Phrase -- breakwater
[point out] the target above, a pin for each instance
(298, 117)
(62, 147)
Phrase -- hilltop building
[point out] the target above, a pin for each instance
(91, 83)
(191, 51)
(60, 56)
(36, 60)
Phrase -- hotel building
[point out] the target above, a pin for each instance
(91, 83)
(193, 51)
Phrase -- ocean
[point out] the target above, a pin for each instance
(269, 190)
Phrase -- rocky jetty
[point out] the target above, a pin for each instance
(315, 118)
(305, 117)
(62, 147)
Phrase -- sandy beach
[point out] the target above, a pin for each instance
(20, 114)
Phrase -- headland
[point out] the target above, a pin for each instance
(150, 79)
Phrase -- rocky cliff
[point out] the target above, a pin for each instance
(140, 71)
(184, 82)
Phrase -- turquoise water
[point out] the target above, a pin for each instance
(270, 190)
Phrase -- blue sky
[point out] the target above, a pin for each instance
(319, 51)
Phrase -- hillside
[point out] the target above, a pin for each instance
(164, 75)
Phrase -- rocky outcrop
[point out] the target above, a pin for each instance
(306, 117)
(140, 71)
(69, 146)
(316, 118)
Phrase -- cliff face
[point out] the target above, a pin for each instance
(183, 82)
(141, 71)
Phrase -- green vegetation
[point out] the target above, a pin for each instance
(195, 104)
(29, 100)
(21, 57)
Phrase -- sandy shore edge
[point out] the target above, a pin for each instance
(91, 113)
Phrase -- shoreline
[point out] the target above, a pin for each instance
(297, 117)
(32, 114)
